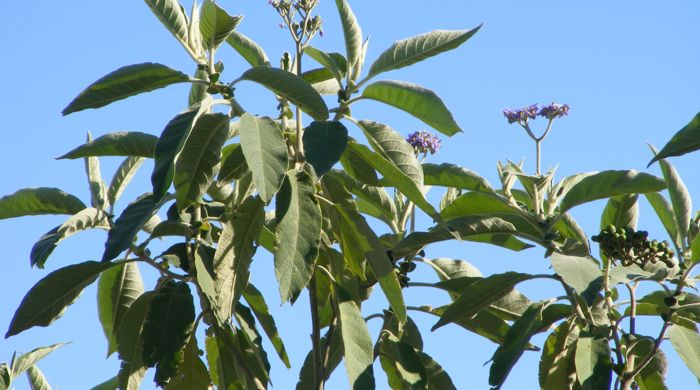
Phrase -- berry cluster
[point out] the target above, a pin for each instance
(633, 247)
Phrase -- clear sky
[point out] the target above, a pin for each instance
(629, 70)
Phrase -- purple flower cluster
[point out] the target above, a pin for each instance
(424, 142)
(550, 112)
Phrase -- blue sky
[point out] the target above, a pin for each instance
(627, 68)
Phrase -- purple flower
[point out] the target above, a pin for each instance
(424, 142)
(554, 110)
(521, 115)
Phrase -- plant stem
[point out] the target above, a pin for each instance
(538, 153)
(299, 152)
(628, 377)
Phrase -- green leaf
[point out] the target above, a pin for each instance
(110, 384)
(409, 51)
(621, 211)
(686, 342)
(233, 164)
(355, 165)
(593, 364)
(167, 328)
(198, 92)
(686, 140)
(85, 219)
(48, 299)
(357, 343)
(438, 379)
(375, 197)
(23, 362)
(39, 201)
(121, 143)
(5, 377)
(653, 374)
(125, 82)
(327, 61)
(581, 273)
(324, 144)
(298, 230)
(130, 342)
(128, 224)
(606, 184)
(393, 147)
(117, 289)
(680, 199)
(98, 192)
(353, 37)
(394, 177)
(420, 102)
(122, 177)
(401, 363)
(449, 175)
(37, 380)
(257, 304)
(479, 295)
(234, 254)
(198, 161)
(479, 203)
(664, 211)
(248, 49)
(515, 343)
(557, 361)
(167, 148)
(265, 152)
(291, 87)
(173, 17)
(192, 373)
(216, 24)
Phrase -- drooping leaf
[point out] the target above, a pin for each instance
(298, 230)
(122, 143)
(291, 87)
(257, 304)
(557, 361)
(167, 328)
(328, 62)
(122, 177)
(515, 343)
(265, 152)
(581, 273)
(357, 344)
(39, 201)
(173, 17)
(438, 379)
(621, 211)
(110, 384)
(686, 140)
(680, 199)
(88, 218)
(593, 364)
(98, 192)
(401, 364)
(324, 144)
(686, 342)
(37, 380)
(420, 102)
(198, 91)
(48, 299)
(335, 354)
(606, 184)
(167, 148)
(130, 342)
(409, 51)
(192, 373)
(233, 164)
(664, 211)
(198, 161)
(355, 165)
(125, 82)
(480, 295)
(235, 253)
(353, 37)
(25, 361)
(248, 49)
(216, 24)
(653, 374)
(117, 289)
(449, 175)
(377, 197)
(128, 225)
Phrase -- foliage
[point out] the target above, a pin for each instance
(218, 169)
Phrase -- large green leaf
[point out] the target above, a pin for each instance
(515, 343)
(664, 211)
(234, 254)
(479, 203)
(355, 165)
(257, 304)
(353, 37)
(39, 201)
(686, 140)
(298, 229)
(122, 143)
(130, 342)
(23, 362)
(654, 373)
(409, 51)
(248, 49)
(117, 290)
(375, 197)
(327, 61)
(324, 144)
(606, 184)
(450, 175)
(122, 177)
(128, 224)
(420, 102)
(403, 367)
(357, 343)
(167, 148)
(593, 364)
(557, 361)
(620, 211)
(167, 328)
(124, 82)
(265, 152)
(680, 199)
(173, 17)
(291, 87)
(192, 373)
(687, 343)
(37, 380)
(479, 295)
(438, 379)
(581, 273)
(233, 164)
(48, 299)
(85, 219)
(198, 161)
(216, 24)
